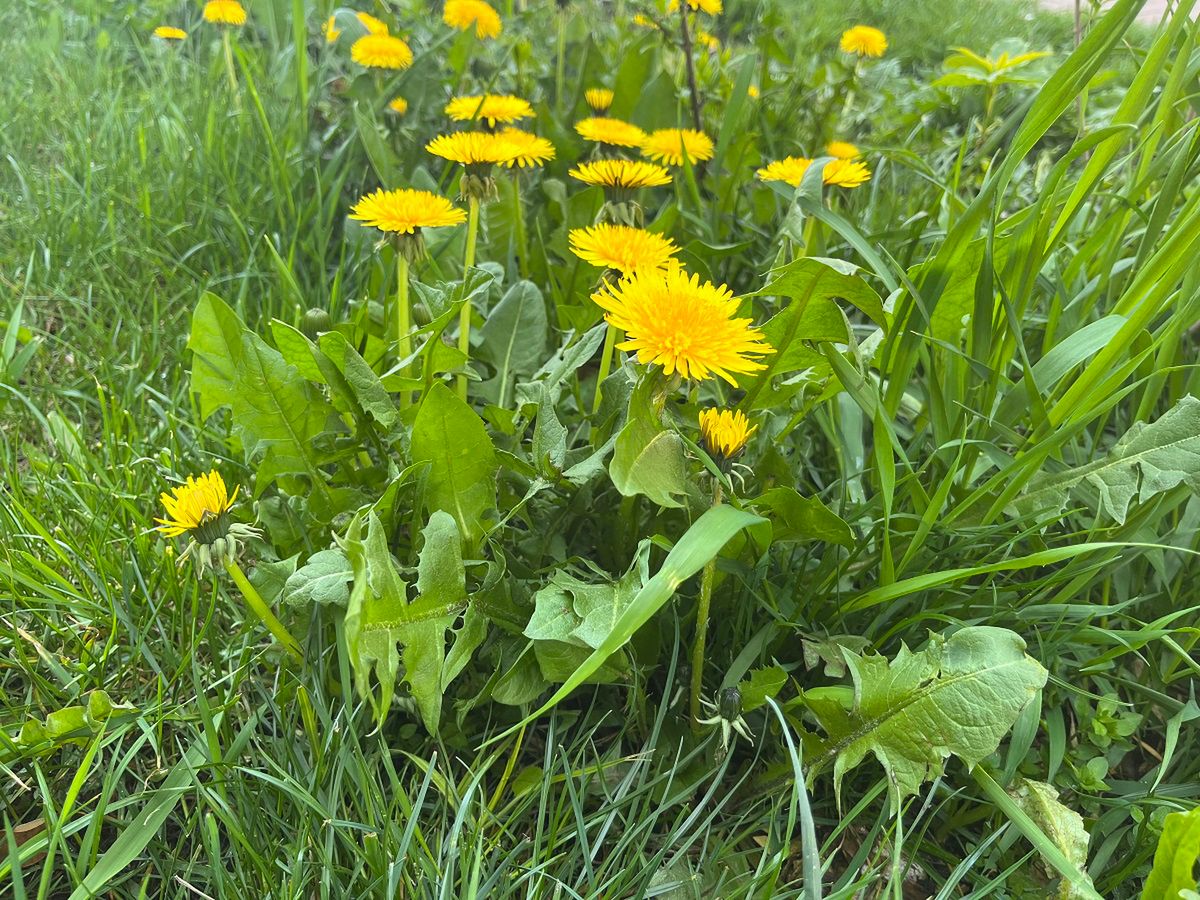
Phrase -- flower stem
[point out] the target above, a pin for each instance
(464, 315)
(611, 336)
(519, 224)
(560, 62)
(403, 316)
(229, 70)
(260, 609)
(706, 587)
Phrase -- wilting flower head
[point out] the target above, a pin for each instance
(522, 149)
(603, 130)
(622, 174)
(712, 7)
(669, 145)
(845, 173)
(838, 172)
(398, 105)
(724, 432)
(682, 324)
(200, 508)
(842, 150)
(170, 33)
(599, 99)
(621, 247)
(381, 51)
(224, 12)
(405, 211)
(462, 14)
(492, 108)
(863, 40)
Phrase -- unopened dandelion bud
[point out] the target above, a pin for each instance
(315, 322)
(730, 704)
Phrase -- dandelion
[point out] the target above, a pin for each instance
(381, 51)
(837, 172)
(708, 40)
(863, 40)
(520, 148)
(473, 149)
(752, 92)
(724, 432)
(845, 173)
(372, 24)
(712, 7)
(599, 99)
(224, 12)
(790, 169)
(621, 247)
(492, 108)
(170, 33)
(615, 132)
(682, 324)
(398, 105)
(330, 30)
(462, 14)
(670, 145)
(842, 150)
(622, 174)
(199, 508)
(644, 22)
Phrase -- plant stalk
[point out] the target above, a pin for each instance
(260, 609)
(464, 315)
(702, 609)
(611, 336)
(686, 37)
(227, 41)
(403, 317)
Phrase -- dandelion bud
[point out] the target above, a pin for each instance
(314, 322)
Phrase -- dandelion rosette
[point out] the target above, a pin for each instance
(491, 108)
(724, 432)
(381, 51)
(683, 324)
(621, 247)
(170, 33)
(863, 40)
(842, 150)
(462, 14)
(599, 99)
(199, 508)
(224, 12)
(669, 145)
(615, 132)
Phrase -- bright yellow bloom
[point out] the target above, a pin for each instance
(372, 24)
(405, 211)
(863, 40)
(644, 22)
(471, 148)
(668, 145)
(682, 324)
(705, 39)
(604, 130)
(224, 12)
(520, 148)
(842, 150)
(330, 30)
(625, 174)
(621, 247)
(196, 506)
(712, 7)
(381, 51)
(398, 105)
(492, 108)
(169, 33)
(790, 169)
(462, 14)
(599, 99)
(752, 92)
(845, 173)
(725, 432)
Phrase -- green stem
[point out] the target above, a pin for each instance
(403, 317)
(706, 587)
(519, 223)
(260, 609)
(229, 70)
(464, 315)
(560, 63)
(611, 336)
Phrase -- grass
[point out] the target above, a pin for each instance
(131, 185)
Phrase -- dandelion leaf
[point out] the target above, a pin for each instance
(1174, 871)
(1061, 824)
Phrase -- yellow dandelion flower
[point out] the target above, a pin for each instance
(492, 108)
(712, 7)
(624, 174)
(398, 105)
(170, 33)
(462, 14)
(197, 507)
(616, 132)
(752, 92)
(471, 148)
(405, 211)
(863, 40)
(644, 22)
(224, 12)
(706, 39)
(790, 169)
(621, 247)
(372, 24)
(330, 30)
(682, 324)
(381, 51)
(599, 99)
(842, 150)
(725, 432)
(845, 173)
(520, 148)
(668, 145)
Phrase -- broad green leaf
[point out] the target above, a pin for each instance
(325, 578)
(762, 683)
(1148, 459)
(561, 366)
(441, 593)
(364, 384)
(513, 339)
(648, 458)
(216, 345)
(1175, 859)
(796, 518)
(461, 474)
(959, 696)
(1061, 824)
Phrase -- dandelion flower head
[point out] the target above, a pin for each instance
(668, 145)
(863, 40)
(491, 108)
(615, 132)
(725, 432)
(405, 211)
(621, 247)
(462, 14)
(381, 51)
(224, 12)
